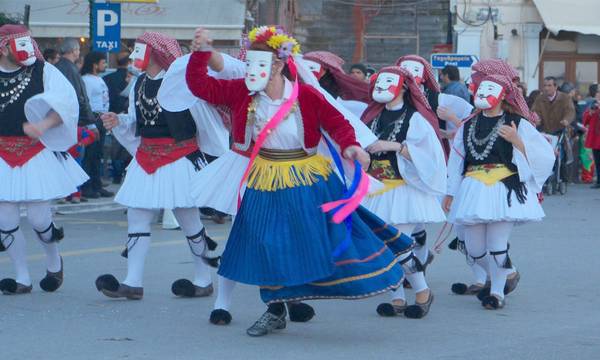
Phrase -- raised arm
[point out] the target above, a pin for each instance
(214, 91)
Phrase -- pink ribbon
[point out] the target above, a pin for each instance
(347, 206)
(271, 124)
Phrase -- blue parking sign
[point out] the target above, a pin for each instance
(106, 27)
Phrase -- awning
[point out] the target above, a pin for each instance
(580, 16)
(177, 18)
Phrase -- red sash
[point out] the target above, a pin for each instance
(18, 150)
(154, 153)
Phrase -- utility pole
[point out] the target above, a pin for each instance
(26, 15)
(91, 42)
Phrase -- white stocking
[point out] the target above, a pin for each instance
(475, 244)
(421, 251)
(189, 220)
(497, 237)
(39, 215)
(138, 242)
(224, 291)
(479, 273)
(14, 242)
(415, 278)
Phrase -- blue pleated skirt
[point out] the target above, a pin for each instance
(283, 242)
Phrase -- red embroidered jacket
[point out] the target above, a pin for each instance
(316, 112)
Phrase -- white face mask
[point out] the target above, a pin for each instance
(258, 69)
(314, 67)
(387, 87)
(489, 94)
(23, 50)
(140, 56)
(415, 68)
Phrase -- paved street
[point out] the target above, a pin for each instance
(552, 315)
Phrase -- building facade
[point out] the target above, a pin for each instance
(538, 37)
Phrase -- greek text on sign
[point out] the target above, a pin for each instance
(439, 61)
(106, 27)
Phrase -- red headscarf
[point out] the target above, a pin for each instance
(165, 49)
(513, 95)
(10, 31)
(350, 87)
(503, 69)
(428, 77)
(417, 98)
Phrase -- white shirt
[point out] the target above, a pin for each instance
(285, 136)
(97, 92)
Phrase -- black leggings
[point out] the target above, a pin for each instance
(596, 153)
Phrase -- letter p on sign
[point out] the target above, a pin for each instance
(106, 18)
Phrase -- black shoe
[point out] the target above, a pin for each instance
(300, 312)
(492, 302)
(105, 193)
(419, 310)
(595, 186)
(266, 324)
(185, 288)
(90, 194)
(220, 317)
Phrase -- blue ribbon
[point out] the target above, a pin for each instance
(345, 244)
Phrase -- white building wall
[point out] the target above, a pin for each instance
(518, 25)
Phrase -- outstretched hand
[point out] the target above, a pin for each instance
(357, 153)
(110, 120)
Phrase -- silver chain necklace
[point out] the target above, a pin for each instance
(488, 141)
(142, 102)
(11, 93)
(397, 126)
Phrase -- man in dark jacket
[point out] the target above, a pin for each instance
(117, 82)
(69, 53)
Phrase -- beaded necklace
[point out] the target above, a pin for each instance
(144, 103)
(13, 87)
(488, 140)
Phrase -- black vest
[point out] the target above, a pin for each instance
(177, 125)
(385, 125)
(501, 152)
(13, 115)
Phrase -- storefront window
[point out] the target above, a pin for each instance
(586, 73)
(556, 69)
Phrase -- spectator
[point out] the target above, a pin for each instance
(556, 113)
(452, 84)
(359, 71)
(576, 130)
(51, 56)
(591, 120)
(117, 82)
(69, 54)
(96, 89)
(370, 71)
(591, 98)
(531, 98)
(555, 108)
(97, 93)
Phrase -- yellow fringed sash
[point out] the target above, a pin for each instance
(272, 175)
(388, 185)
(489, 174)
